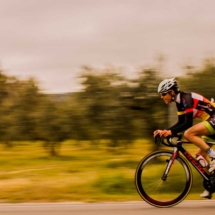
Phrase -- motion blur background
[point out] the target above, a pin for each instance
(79, 70)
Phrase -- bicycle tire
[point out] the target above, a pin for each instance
(153, 189)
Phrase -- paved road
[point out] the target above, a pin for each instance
(127, 208)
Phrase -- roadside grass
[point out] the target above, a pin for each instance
(81, 172)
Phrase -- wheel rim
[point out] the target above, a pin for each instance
(156, 191)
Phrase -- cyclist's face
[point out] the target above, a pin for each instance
(167, 98)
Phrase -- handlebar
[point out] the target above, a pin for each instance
(168, 141)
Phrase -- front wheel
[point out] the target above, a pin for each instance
(156, 191)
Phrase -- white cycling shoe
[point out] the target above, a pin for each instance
(206, 194)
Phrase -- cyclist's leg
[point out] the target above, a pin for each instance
(206, 138)
(210, 125)
(200, 129)
(203, 154)
(194, 133)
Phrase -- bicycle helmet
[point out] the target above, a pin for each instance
(167, 85)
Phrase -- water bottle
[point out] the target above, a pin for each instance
(201, 160)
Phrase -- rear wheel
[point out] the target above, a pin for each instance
(158, 192)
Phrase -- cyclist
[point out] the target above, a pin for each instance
(189, 106)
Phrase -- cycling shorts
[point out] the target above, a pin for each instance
(210, 124)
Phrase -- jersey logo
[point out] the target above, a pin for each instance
(184, 102)
(203, 106)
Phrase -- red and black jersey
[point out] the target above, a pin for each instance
(189, 106)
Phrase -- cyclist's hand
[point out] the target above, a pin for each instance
(165, 133)
(162, 133)
(157, 132)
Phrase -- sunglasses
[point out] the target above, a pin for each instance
(163, 94)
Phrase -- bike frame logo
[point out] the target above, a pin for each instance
(190, 158)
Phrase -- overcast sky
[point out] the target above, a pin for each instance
(52, 39)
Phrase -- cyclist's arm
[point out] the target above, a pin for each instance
(185, 121)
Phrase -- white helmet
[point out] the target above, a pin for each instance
(167, 84)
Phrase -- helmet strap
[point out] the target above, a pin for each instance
(173, 96)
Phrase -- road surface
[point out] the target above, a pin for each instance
(189, 207)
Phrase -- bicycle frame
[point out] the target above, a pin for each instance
(179, 148)
(153, 188)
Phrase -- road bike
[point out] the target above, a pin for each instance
(164, 178)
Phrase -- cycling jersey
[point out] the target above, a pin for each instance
(192, 105)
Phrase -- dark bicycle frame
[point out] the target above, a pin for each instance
(179, 148)
(180, 154)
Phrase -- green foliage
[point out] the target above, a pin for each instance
(200, 80)
(101, 111)
(115, 184)
(82, 173)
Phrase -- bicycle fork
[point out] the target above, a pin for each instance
(170, 163)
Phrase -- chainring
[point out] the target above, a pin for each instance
(209, 185)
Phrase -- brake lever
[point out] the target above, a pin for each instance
(157, 139)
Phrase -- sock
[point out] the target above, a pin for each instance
(210, 152)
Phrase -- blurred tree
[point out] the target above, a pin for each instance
(106, 117)
(23, 110)
(98, 111)
(5, 107)
(200, 80)
(3, 86)
(153, 112)
(53, 125)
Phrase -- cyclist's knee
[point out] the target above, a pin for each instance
(186, 134)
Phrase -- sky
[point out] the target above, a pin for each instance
(52, 39)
